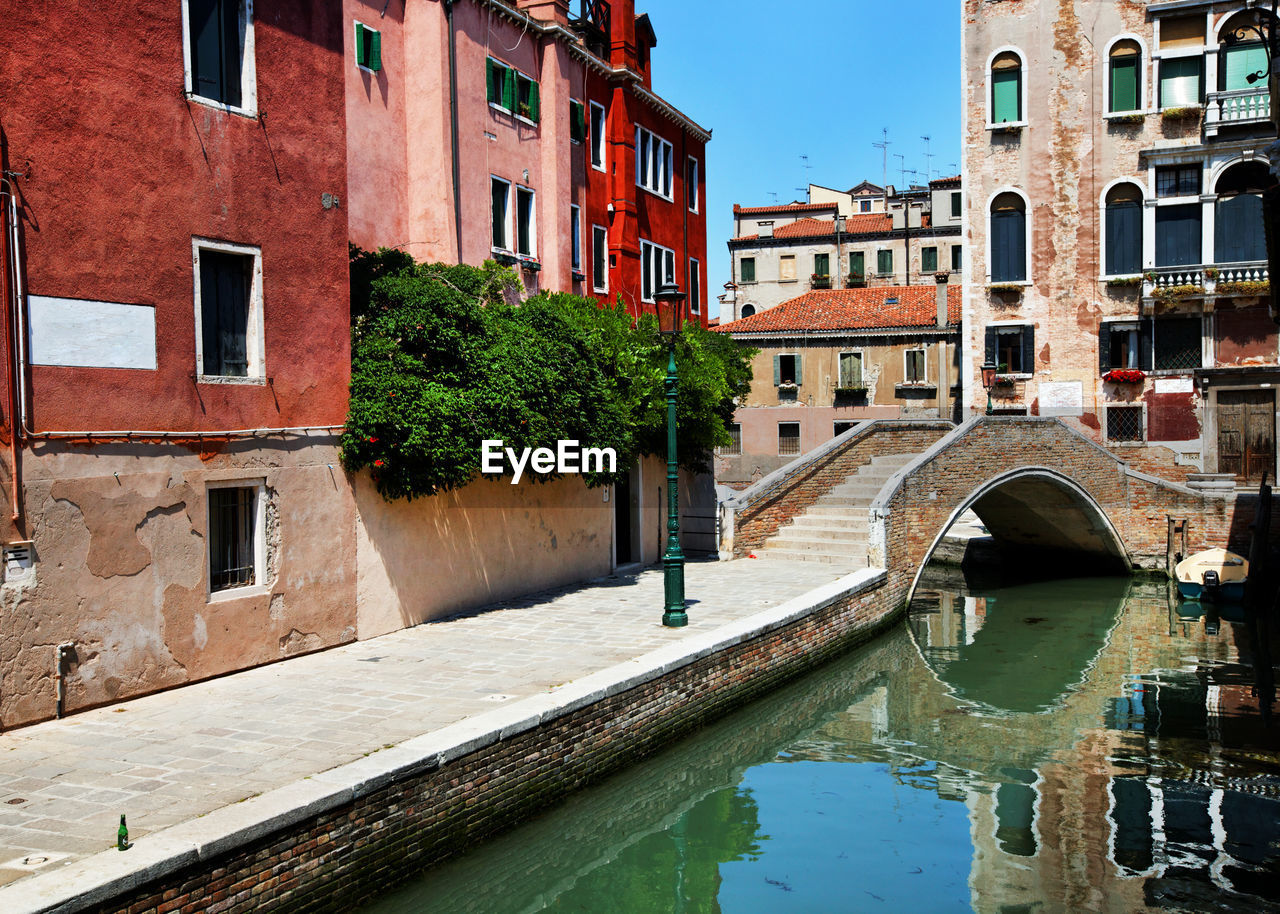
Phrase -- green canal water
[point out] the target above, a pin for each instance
(1079, 745)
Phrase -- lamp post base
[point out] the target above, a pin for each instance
(673, 585)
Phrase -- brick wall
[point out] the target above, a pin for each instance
(339, 858)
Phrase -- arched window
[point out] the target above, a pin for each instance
(1008, 238)
(1124, 230)
(1006, 88)
(1238, 233)
(748, 310)
(1241, 57)
(1126, 73)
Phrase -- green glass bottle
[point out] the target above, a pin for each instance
(122, 836)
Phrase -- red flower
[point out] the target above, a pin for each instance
(372, 440)
(377, 463)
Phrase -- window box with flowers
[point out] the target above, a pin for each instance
(532, 264)
(1125, 376)
(818, 281)
(1003, 380)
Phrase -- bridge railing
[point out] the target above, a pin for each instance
(758, 512)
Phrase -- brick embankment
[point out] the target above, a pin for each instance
(327, 841)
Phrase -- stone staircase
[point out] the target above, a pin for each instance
(834, 529)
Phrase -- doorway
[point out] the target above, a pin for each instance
(1246, 433)
(622, 520)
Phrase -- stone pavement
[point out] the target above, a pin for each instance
(169, 758)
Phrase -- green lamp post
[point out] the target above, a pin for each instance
(671, 306)
(988, 381)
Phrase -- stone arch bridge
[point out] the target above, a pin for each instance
(1035, 483)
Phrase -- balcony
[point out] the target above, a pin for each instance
(1205, 280)
(1237, 108)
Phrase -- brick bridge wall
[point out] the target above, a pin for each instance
(757, 513)
(916, 504)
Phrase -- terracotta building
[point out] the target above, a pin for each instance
(831, 358)
(1115, 159)
(866, 236)
(527, 133)
(176, 355)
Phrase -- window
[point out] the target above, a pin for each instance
(235, 536)
(691, 184)
(822, 265)
(1124, 230)
(747, 269)
(368, 48)
(957, 257)
(512, 91)
(1006, 89)
(1125, 73)
(695, 286)
(575, 236)
(787, 268)
(914, 366)
(748, 310)
(228, 299)
(1177, 343)
(657, 267)
(1180, 81)
(1124, 423)
(500, 194)
(1242, 61)
(525, 231)
(955, 204)
(842, 427)
(864, 206)
(577, 121)
(599, 258)
(788, 438)
(1178, 235)
(929, 260)
(734, 447)
(1124, 344)
(1012, 348)
(1178, 180)
(884, 262)
(850, 369)
(1008, 238)
(1238, 214)
(597, 136)
(219, 53)
(787, 369)
(857, 266)
(653, 163)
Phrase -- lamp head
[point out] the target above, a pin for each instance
(672, 305)
(988, 375)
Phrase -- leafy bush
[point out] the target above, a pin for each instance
(445, 357)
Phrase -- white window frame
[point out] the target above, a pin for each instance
(1110, 325)
(498, 106)
(861, 363)
(532, 253)
(599, 283)
(248, 106)
(1026, 250)
(253, 335)
(599, 146)
(508, 217)
(1144, 65)
(653, 257)
(796, 365)
(575, 237)
(355, 31)
(924, 362)
(1021, 324)
(991, 89)
(259, 585)
(695, 286)
(661, 159)
(697, 177)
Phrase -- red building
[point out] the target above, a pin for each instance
(177, 355)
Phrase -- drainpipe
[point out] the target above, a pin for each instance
(453, 124)
(12, 306)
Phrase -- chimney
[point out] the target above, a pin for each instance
(941, 278)
(765, 229)
(556, 11)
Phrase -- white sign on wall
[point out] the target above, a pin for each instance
(1174, 386)
(1061, 398)
(91, 334)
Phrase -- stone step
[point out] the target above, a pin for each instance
(808, 538)
(862, 488)
(836, 523)
(850, 562)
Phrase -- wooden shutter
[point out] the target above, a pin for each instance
(747, 269)
(534, 109)
(224, 313)
(929, 260)
(1008, 246)
(577, 122)
(777, 370)
(884, 261)
(1240, 62)
(1006, 95)
(508, 77)
(1178, 235)
(799, 369)
(209, 76)
(857, 265)
(493, 82)
(1124, 83)
(1236, 235)
(1104, 347)
(1180, 81)
(361, 57)
(1028, 349)
(1124, 238)
(375, 50)
(1145, 344)
(991, 346)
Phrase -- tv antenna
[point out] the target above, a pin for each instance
(928, 160)
(883, 146)
(902, 167)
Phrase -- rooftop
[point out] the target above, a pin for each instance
(881, 308)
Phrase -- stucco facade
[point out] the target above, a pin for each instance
(1115, 158)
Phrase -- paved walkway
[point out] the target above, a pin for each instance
(169, 758)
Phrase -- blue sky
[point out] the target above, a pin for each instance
(816, 78)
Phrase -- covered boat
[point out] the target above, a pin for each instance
(1214, 574)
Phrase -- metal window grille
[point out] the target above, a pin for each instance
(232, 516)
(734, 448)
(1177, 343)
(788, 438)
(1124, 423)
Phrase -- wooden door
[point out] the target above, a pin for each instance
(1246, 433)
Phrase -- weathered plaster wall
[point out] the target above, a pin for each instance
(121, 571)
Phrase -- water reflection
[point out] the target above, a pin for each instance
(1080, 745)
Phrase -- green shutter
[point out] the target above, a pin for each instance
(492, 79)
(375, 51)
(822, 264)
(1124, 83)
(777, 370)
(799, 369)
(361, 58)
(857, 265)
(533, 101)
(1006, 95)
(508, 88)
(1242, 61)
(884, 261)
(747, 269)
(1180, 82)
(929, 260)
(577, 122)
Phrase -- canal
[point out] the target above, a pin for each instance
(1077, 745)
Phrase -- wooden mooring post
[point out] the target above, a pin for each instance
(1176, 545)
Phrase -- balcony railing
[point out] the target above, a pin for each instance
(1239, 107)
(1213, 279)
